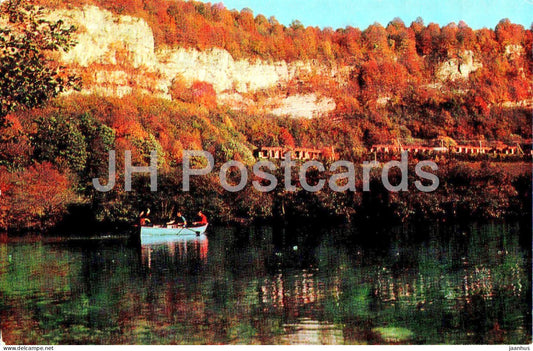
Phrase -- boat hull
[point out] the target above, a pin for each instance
(171, 231)
(156, 240)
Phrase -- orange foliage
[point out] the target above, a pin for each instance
(397, 56)
(382, 72)
(5, 186)
(286, 138)
(509, 33)
(14, 142)
(201, 93)
(204, 94)
(36, 197)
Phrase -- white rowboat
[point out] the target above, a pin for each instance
(172, 230)
(156, 240)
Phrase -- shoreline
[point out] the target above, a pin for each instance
(478, 187)
(126, 233)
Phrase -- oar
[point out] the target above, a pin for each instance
(197, 232)
(181, 229)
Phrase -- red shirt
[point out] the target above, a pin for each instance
(203, 219)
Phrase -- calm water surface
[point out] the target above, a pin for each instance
(430, 285)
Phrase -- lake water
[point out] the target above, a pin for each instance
(421, 285)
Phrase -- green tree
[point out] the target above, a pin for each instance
(28, 74)
(99, 139)
(58, 140)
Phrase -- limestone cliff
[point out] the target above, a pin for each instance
(459, 67)
(116, 55)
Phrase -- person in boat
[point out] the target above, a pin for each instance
(143, 217)
(179, 221)
(202, 219)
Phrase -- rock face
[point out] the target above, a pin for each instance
(306, 106)
(216, 66)
(514, 50)
(117, 56)
(459, 67)
(103, 38)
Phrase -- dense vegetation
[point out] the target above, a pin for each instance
(396, 86)
(49, 154)
(68, 141)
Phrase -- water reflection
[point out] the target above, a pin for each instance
(272, 286)
(308, 331)
(177, 248)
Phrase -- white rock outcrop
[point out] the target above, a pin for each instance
(459, 67)
(304, 106)
(217, 66)
(514, 51)
(123, 50)
(103, 37)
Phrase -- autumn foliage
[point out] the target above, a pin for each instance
(390, 67)
(34, 198)
(392, 91)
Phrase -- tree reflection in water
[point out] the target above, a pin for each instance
(180, 248)
(450, 285)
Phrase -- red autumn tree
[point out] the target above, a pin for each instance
(285, 138)
(509, 33)
(34, 198)
(204, 94)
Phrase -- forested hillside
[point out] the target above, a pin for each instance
(430, 80)
(362, 87)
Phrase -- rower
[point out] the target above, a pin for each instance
(143, 217)
(203, 219)
(179, 221)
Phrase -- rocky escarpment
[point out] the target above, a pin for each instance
(458, 67)
(116, 55)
